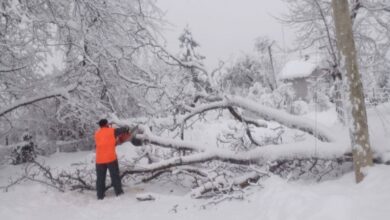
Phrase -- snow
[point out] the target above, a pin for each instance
(327, 118)
(379, 130)
(337, 199)
(275, 199)
(272, 198)
(297, 69)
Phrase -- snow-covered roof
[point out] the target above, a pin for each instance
(297, 69)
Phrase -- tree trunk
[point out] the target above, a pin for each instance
(355, 106)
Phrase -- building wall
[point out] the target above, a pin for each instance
(300, 86)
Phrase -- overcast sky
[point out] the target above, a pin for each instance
(224, 28)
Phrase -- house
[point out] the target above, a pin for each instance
(303, 74)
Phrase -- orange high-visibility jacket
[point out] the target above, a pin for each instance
(105, 145)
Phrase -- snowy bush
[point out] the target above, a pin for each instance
(299, 107)
(23, 152)
(281, 98)
(320, 101)
(311, 169)
(243, 74)
(257, 91)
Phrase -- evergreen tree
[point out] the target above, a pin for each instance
(189, 55)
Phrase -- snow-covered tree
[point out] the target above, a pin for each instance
(313, 21)
(24, 47)
(243, 74)
(189, 54)
(189, 46)
(103, 43)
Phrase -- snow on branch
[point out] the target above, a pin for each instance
(220, 105)
(12, 70)
(317, 130)
(238, 182)
(135, 81)
(187, 64)
(271, 114)
(170, 143)
(261, 155)
(27, 101)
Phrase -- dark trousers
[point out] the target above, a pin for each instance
(101, 171)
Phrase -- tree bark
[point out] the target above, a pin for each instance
(355, 109)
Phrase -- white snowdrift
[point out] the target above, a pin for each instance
(277, 199)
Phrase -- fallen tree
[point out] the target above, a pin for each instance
(196, 162)
(212, 169)
(314, 155)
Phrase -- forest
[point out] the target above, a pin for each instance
(220, 134)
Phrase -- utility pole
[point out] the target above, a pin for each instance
(273, 77)
(355, 106)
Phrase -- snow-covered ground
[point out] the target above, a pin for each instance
(337, 199)
(275, 198)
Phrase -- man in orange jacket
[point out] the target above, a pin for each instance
(105, 140)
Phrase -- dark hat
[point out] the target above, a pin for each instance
(103, 122)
